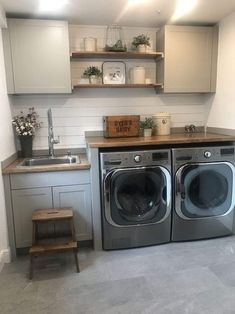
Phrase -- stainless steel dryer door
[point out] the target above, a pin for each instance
(204, 190)
(137, 196)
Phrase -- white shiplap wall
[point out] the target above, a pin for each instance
(83, 110)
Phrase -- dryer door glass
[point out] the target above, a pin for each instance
(139, 195)
(205, 190)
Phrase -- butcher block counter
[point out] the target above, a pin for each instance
(182, 138)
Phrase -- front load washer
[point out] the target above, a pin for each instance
(204, 190)
(136, 198)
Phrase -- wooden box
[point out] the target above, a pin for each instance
(121, 126)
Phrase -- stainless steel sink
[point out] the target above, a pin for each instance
(44, 161)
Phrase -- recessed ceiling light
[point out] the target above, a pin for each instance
(183, 7)
(52, 5)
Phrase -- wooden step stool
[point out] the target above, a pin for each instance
(52, 215)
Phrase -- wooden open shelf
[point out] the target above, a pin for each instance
(157, 86)
(117, 55)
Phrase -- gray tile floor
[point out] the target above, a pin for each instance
(191, 277)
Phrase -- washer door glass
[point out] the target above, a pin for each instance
(206, 190)
(139, 195)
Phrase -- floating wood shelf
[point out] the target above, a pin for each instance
(117, 55)
(157, 86)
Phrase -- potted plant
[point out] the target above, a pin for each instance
(147, 126)
(140, 42)
(93, 73)
(25, 127)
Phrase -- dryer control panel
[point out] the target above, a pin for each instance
(203, 154)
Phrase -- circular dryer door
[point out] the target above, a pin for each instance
(139, 196)
(204, 190)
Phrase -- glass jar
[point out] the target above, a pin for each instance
(115, 39)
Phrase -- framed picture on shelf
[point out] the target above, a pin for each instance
(114, 72)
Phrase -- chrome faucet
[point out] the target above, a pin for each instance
(51, 139)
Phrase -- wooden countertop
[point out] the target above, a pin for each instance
(182, 138)
(13, 168)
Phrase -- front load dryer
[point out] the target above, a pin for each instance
(204, 190)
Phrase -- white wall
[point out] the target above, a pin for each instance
(222, 111)
(84, 109)
(7, 148)
(72, 115)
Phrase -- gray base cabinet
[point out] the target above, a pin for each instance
(78, 197)
(45, 190)
(24, 202)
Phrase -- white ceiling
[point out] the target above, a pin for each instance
(105, 12)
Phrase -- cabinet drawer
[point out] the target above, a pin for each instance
(42, 179)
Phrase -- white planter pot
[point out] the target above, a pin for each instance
(141, 48)
(94, 79)
(147, 132)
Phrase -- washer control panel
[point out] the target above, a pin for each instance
(112, 160)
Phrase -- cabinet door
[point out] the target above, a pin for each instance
(188, 59)
(78, 197)
(24, 202)
(40, 56)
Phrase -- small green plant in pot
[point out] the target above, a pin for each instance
(140, 42)
(147, 126)
(93, 73)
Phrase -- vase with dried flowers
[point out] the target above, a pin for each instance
(25, 126)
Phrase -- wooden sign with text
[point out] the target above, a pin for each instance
(121, 126)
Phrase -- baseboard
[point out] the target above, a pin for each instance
(5, 257)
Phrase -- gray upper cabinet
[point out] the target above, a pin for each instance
(78, 197)
(37, 56)
(190, 58)
(24, 202)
